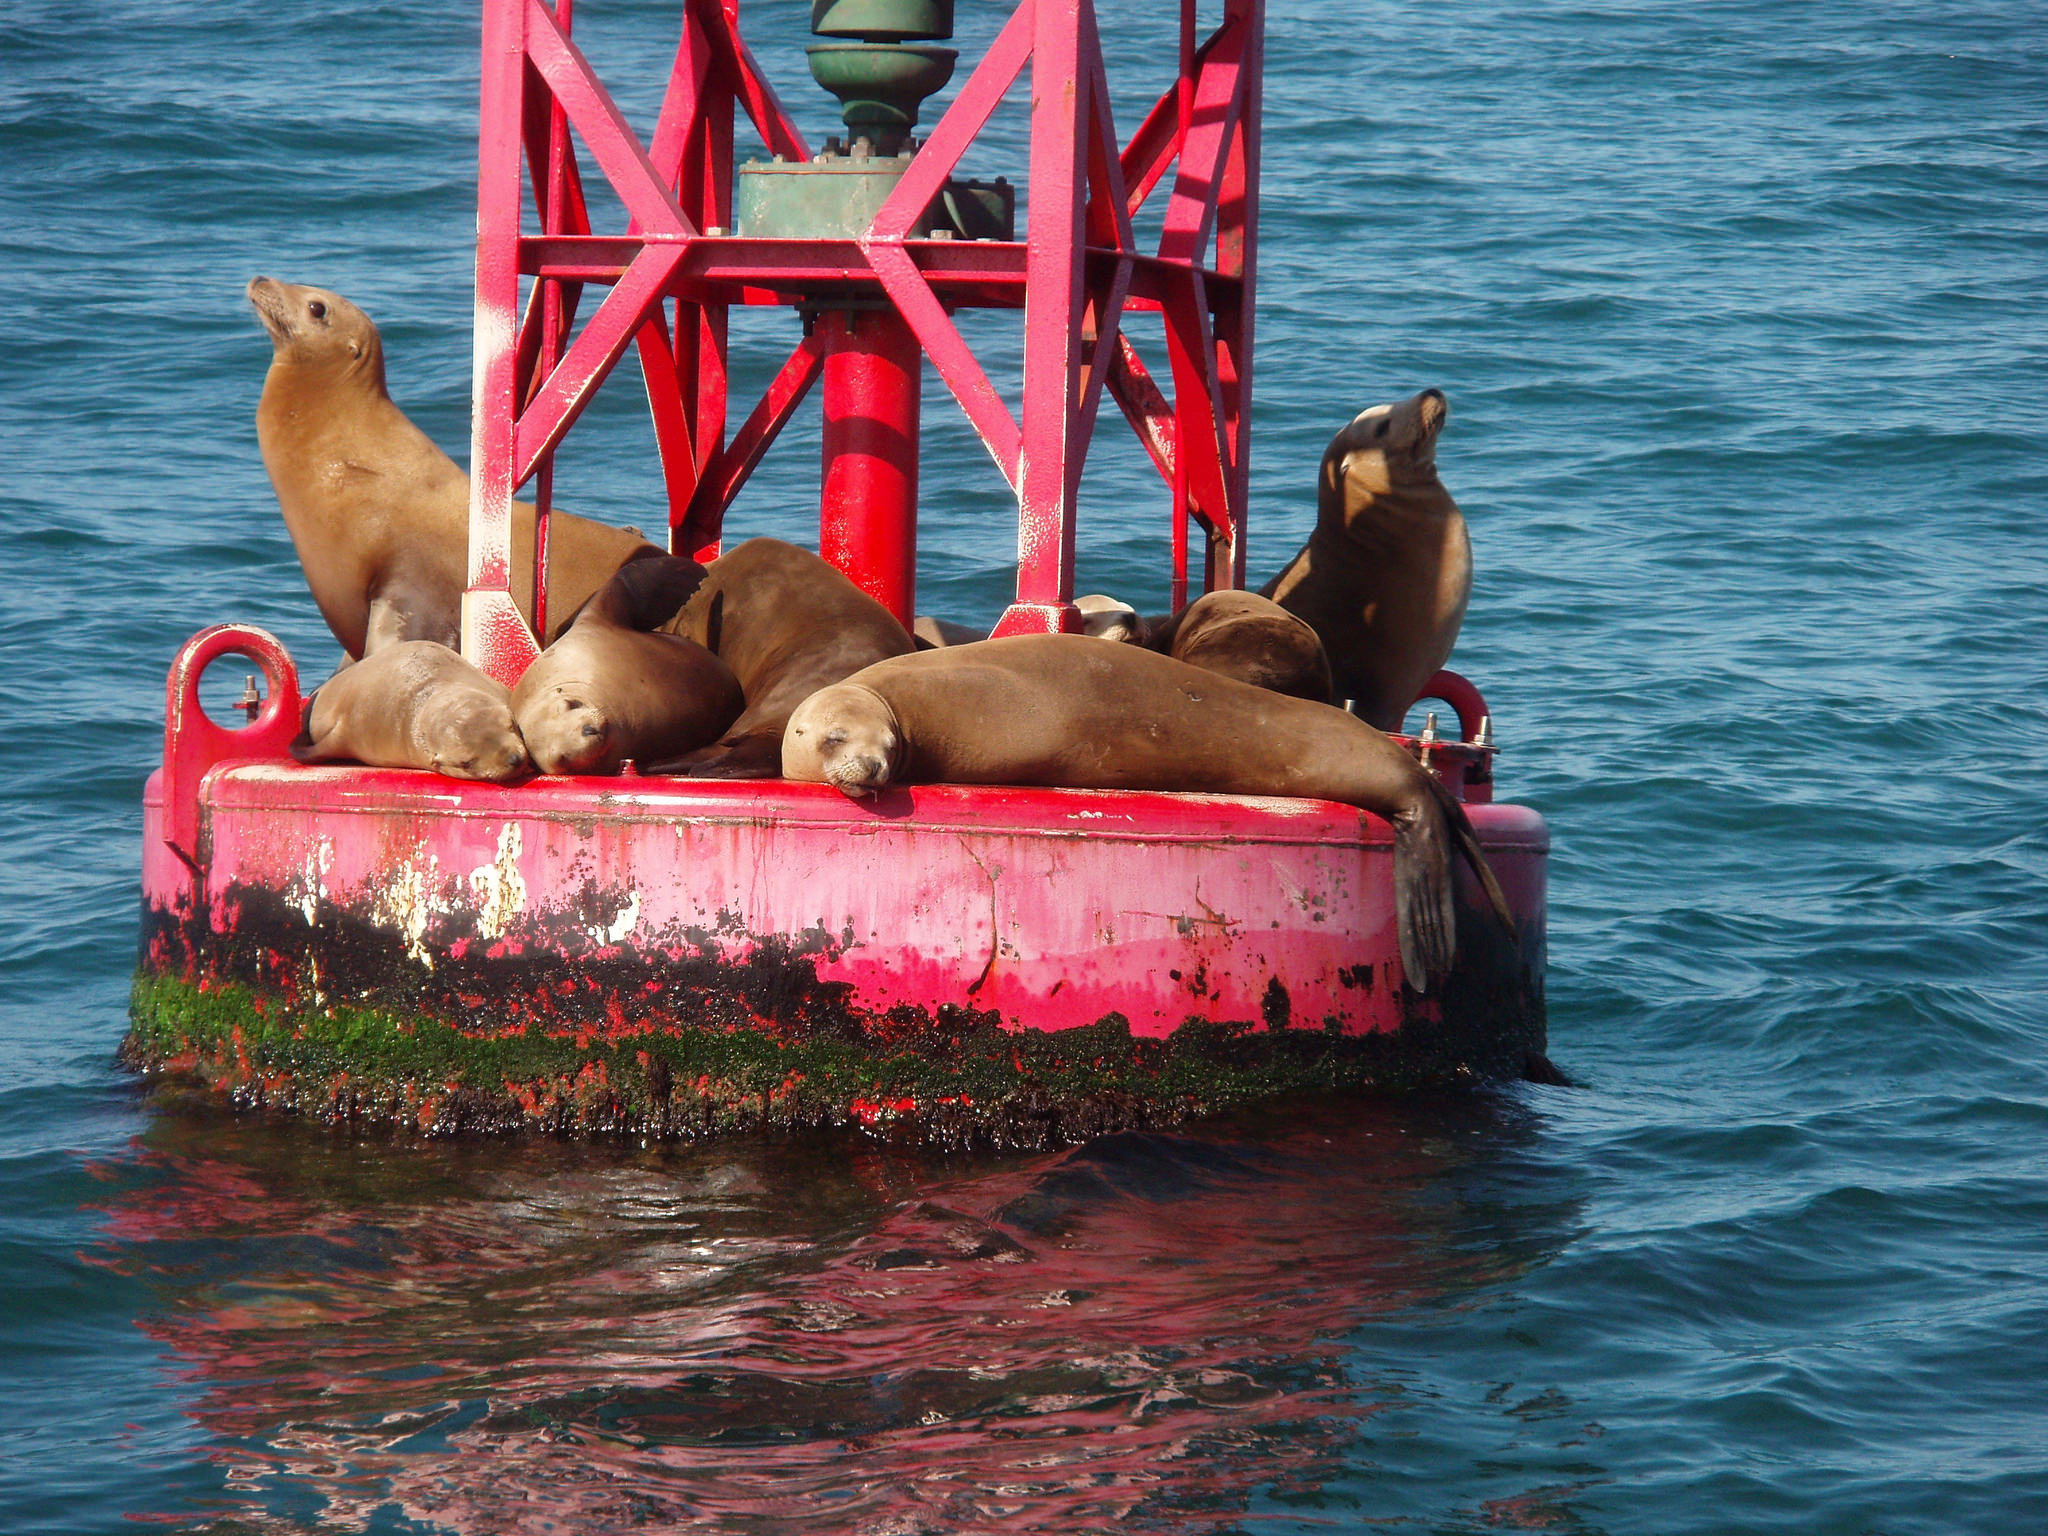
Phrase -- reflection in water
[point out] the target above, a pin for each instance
(1149, 1330)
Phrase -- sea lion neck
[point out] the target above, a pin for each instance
(312, 407)
(1410, 496)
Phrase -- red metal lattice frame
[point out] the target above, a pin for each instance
(670, 282)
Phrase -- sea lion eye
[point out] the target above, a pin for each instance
(317, 310)
(832, 739)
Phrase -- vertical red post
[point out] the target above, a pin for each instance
(1049, 465)
(494, 635)
(1237, 255)
(867, 523)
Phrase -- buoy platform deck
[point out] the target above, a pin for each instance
(666, 957)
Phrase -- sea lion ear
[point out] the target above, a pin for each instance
(355, 348)
(1434, 410)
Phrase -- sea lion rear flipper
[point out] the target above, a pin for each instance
(645, 593)
(756, 755)
(1467, 840)
(306, 747)
(1425, 914)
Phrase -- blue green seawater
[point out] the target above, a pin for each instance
(1740, 310)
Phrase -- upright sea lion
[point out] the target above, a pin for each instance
(1250, 638)
(788, 624)
(414, 704)
(379, 514)
(1386, 574)
(1062, 710)
(607, 689)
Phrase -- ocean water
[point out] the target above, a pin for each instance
(1740, 310)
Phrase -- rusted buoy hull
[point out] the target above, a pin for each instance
(668, 957)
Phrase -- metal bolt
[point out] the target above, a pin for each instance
(715, 230)
(1429, 735)
(251, 701)
(942, 234)
(1485, 736)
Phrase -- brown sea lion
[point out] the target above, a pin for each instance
(788, 624)
(1108, 618)
(414, 704)
(1250, 638)
(1104, 617)
(1386, 574)
(608, 689)
(379, 514)
(1065, 711)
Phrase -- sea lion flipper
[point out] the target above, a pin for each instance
(645, 592)
(303, 748)
(1467, 840)
(1425, 913)
(756, 755)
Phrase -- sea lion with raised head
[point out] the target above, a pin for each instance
(1248, 637)
(787, 623)
(610, 688)
(379, 514)
(1385, 576)
(1064, 711)
(414, 704)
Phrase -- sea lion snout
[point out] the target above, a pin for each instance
(267, 296)
(845, 736)
(497, 762)
(566, 735)
(856, 774)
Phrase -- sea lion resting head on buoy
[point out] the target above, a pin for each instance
(1069, 712)
(608, 690)
(1385, 577)
(414, 704)
(379, 514)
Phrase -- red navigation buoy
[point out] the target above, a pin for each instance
(665, 956)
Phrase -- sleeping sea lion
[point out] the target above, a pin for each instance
(1250, 638)
(378, 514)
(788, 624)
(608, 690)
(1064, 711)
(1386, 574)
(1108, 618)
(414, 704)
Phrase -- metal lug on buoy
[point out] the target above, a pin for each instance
(1429, 737)
(251, 701)
(1484, 738)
